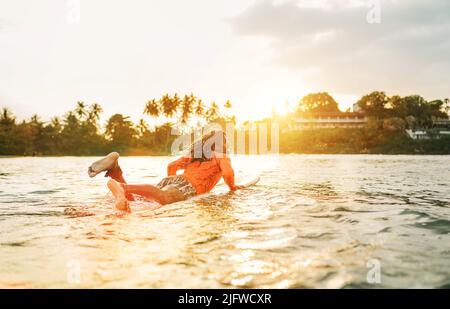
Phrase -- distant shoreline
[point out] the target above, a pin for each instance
(283, 154)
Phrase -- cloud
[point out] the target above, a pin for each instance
(332, 44)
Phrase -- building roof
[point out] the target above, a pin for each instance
(332, 115)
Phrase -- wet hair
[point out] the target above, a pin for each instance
(213, 141)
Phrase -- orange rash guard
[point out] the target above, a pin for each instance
(203, 176)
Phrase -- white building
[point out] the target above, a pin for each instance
(423, 134)
(330, 120)
(356, 108)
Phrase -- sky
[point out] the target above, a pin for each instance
(258, 54)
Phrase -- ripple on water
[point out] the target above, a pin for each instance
(437, 226)
(313, 221)
(45, 191)
(269, 238)
(15, 244)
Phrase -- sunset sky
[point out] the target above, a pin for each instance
(256, 53)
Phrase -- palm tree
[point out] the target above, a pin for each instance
(152, 108)
(169, 105)
(6, 117)
(187, 107)
(228, 116)
(176, 101)
(80, 110)
(95, 111)
(56, 124)
(213, 112)
(227, 105)
(142, 127)
(199, 108)
(35, 120)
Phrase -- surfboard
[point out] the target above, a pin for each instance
(145, 207)
(246, 185)
(252, 182)
(161, 210)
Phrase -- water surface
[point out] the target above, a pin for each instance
(312, 221)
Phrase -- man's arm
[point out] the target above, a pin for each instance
(228, 173)
(177, 165)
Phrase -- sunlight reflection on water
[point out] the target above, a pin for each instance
(312, 221)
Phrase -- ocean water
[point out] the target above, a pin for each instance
(313, 221)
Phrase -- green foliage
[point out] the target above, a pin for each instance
(120, 131)
(374, 104)
(359, 141)
(316, 103)
(189, 107)
(394, 124)
(387, 119)
(413, 109)
(78, 132)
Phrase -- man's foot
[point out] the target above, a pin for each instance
(122, 204)
(104, 164)
(119, 193)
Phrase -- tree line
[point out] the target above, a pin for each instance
(411, 111)
(79, 131)
(384, 132)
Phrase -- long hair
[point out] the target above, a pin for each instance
(202, 150)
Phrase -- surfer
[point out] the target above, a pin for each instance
(203, 166)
